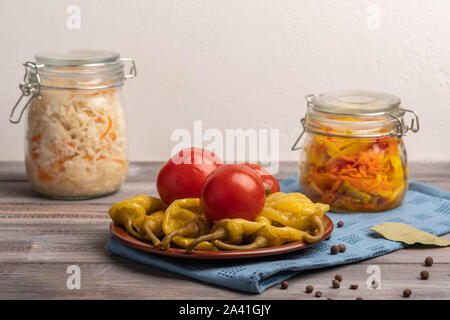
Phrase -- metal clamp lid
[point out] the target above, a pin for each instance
(400, 129)
(32, 85)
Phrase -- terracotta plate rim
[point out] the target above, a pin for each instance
(120, 234)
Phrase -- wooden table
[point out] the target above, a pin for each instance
(40, 238)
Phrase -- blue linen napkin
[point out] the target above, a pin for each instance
(424, 207)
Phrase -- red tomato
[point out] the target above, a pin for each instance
(232, 191)
(269, 181)
(183, 175)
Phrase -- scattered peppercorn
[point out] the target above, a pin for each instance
(375, 284)
(429, 261)
(340, 224)
(342, 247)
(359, 298)
(338, 277)
(334, 249)
(284, 284)
(407, 292)
(330, 299)
(336, 284)
(353, 286)
(424, 275)
(318, 294)
(309, 288)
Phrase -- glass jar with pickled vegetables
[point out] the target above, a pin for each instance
(353, 156)
(76, 141)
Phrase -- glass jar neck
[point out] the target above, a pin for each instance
(363, 126)
(97, 76)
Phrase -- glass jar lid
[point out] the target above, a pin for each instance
(76, 58)
(80, 69)
(355, 103)
(356, 114)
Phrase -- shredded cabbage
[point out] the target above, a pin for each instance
(76, 143)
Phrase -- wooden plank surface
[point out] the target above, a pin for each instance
(40, 238)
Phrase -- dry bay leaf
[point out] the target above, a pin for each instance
(405, 233)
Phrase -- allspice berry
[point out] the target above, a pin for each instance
(407, 293)
(353, 286)
(309, 288)
(375, 284)
(359, 298)
(424, 275)
(335, 284)
(429, 261)
(284, 284)
(342, 248)
(318, 294)
(334, 249)
(338, 277)
(340, 224)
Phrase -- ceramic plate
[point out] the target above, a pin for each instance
(120, 234)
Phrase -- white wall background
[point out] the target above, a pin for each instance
(242, 63)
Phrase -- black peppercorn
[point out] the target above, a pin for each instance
(334, 249)
(318, 294)
(284, 284)
(407, 292)
(353, 286)
(375, 284)
(429, 261)
(309, 288)
(335, 284)
(424, 275)
(342, 247)
(338, 277)
(340, 224)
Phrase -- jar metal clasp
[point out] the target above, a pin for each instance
(29, 87)
(295, 147)
(402, 128)
(133, 71)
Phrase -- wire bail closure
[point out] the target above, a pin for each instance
(308, 99)
(399, 131)
(133, 71)
(28, 88)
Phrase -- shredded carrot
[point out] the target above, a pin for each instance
(108, 128)
(88, 157)
(42, 175)
(354, 174)
(113, 136)
(120, 161)
(36, 138)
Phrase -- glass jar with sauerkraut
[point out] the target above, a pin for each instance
(76, 141)
(353, 156)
